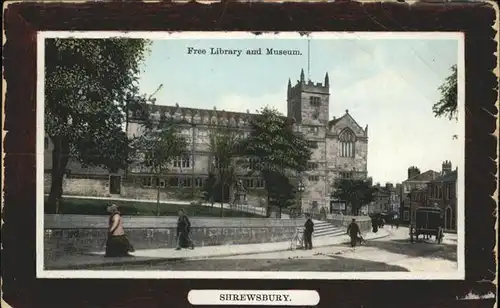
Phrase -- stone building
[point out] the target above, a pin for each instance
(386, 199)
(414, 191)
(339, 148)
(340, 145)
(442, 192)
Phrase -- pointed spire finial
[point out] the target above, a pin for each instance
(302, 76)
(327, 80)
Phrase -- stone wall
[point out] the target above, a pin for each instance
(80, 234)
(364, 222)
(132, 189)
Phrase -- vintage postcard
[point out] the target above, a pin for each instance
(236, 155)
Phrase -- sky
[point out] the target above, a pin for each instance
(388, 84)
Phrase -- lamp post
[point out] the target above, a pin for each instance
(300, 189)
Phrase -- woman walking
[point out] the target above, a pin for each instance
(117, 244)
(183, 229)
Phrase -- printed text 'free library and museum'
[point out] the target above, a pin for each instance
(217, 51)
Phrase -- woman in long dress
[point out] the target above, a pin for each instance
(183, 229)
(117, 244)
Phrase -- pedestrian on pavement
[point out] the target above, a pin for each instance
(353, 231)
(308, 231)
(374, 225)
(117, 244)
(183, 229)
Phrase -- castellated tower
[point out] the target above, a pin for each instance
(446, 167)
(339, 146)
(309, 102)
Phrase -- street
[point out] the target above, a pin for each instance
(391, 253)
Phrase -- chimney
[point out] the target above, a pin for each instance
(413, 171)
(446, 167)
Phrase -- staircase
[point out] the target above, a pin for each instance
(323, 228)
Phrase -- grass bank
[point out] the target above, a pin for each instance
(131, 208)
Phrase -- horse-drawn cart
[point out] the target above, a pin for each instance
(427, 221)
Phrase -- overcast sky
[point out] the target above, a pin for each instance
(388, 84)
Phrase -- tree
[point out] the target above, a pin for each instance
(282, 193)
(224, 147)
(157, 148)
(447, 105)
(356, 193)
(275, 150)
(89, 83)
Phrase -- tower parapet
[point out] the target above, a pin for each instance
(308, 86)
(446, 167)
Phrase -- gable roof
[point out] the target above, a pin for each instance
(345, 116)
(427, 176)
(448, 177)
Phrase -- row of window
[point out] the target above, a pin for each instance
(186, 182)
(172, 182)
(253, 183)
(182, 162)
(315, 101)
(312, 166)
(314, 130)
(437, 191)
(343, 175)
(187, 162)
(313, 178)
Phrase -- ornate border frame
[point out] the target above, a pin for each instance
(21, 288)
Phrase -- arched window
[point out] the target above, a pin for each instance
(347, 143)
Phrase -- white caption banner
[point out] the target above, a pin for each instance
(254, 297)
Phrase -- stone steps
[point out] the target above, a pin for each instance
(327, 229)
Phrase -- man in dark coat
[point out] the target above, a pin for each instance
(374, 225)
(183, 229)
(308, 231)
(353, 231)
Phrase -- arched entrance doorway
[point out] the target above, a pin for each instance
(448, 225)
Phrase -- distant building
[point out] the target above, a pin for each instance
(386, 199)
(414, 190)
(442, 192)
(339, 150)
(396, 202)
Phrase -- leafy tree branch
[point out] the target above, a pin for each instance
(156, 150)
(354, 192)
(275, 150)
(447, 105)
(88, 84)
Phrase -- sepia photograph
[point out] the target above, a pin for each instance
(228, 155)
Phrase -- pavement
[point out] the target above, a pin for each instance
(150, 256)
(392, 253)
